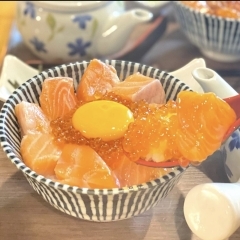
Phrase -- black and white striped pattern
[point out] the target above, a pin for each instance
(89, 204)
(208, 32)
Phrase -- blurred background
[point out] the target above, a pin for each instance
(159, 42)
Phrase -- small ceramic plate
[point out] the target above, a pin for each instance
(14, 73)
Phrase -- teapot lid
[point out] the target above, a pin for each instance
(69, 5)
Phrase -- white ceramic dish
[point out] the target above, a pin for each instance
(185, 74)
(14, 73)
(212, 210)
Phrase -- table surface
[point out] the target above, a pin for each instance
(25, 215)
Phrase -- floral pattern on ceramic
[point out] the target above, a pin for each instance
(79, 47)
(30, 10)
(52, 24)
(82, 20)
(235, 141)
(69, 31)
(38, 45)
(231, 156)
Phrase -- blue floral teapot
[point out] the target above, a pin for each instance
(68, 31)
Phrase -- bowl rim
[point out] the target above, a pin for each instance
(206, 14)
(12, 156)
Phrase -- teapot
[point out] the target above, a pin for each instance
(69, 31)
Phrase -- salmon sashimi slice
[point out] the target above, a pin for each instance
(203, 121)
(130, 173)
(138, 87)
(81, 166)
(40, 153)
(57, 97)
(188, 130)
(152, 134)
(31, 118)
(97, 80)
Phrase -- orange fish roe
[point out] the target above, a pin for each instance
(152, 135)
(150, 120)
(64, 131)
(159, 132)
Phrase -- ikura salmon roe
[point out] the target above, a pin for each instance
(152, 135)
(64, 131)
(150, 120)
(160, 132)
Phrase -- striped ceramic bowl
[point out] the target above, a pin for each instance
(217, 38)
(88, 204)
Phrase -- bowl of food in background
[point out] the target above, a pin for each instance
(140, 189)
(212, 26)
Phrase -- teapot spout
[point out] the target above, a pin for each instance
(211, 81)
(117, 30)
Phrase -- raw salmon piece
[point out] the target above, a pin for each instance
(138, 87)
(58, 97)
(97, 80)
(152, 134)
(190, 129)
(40, 153)
(81, 166)
(203, 121)
(130, 173)
(31, 118)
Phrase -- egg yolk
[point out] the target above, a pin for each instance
(103, 119)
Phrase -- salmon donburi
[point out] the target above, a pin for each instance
(92, 136)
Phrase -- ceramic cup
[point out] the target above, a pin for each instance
(212, 210)
(68, 31)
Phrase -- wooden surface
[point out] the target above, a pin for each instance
(25, 215)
